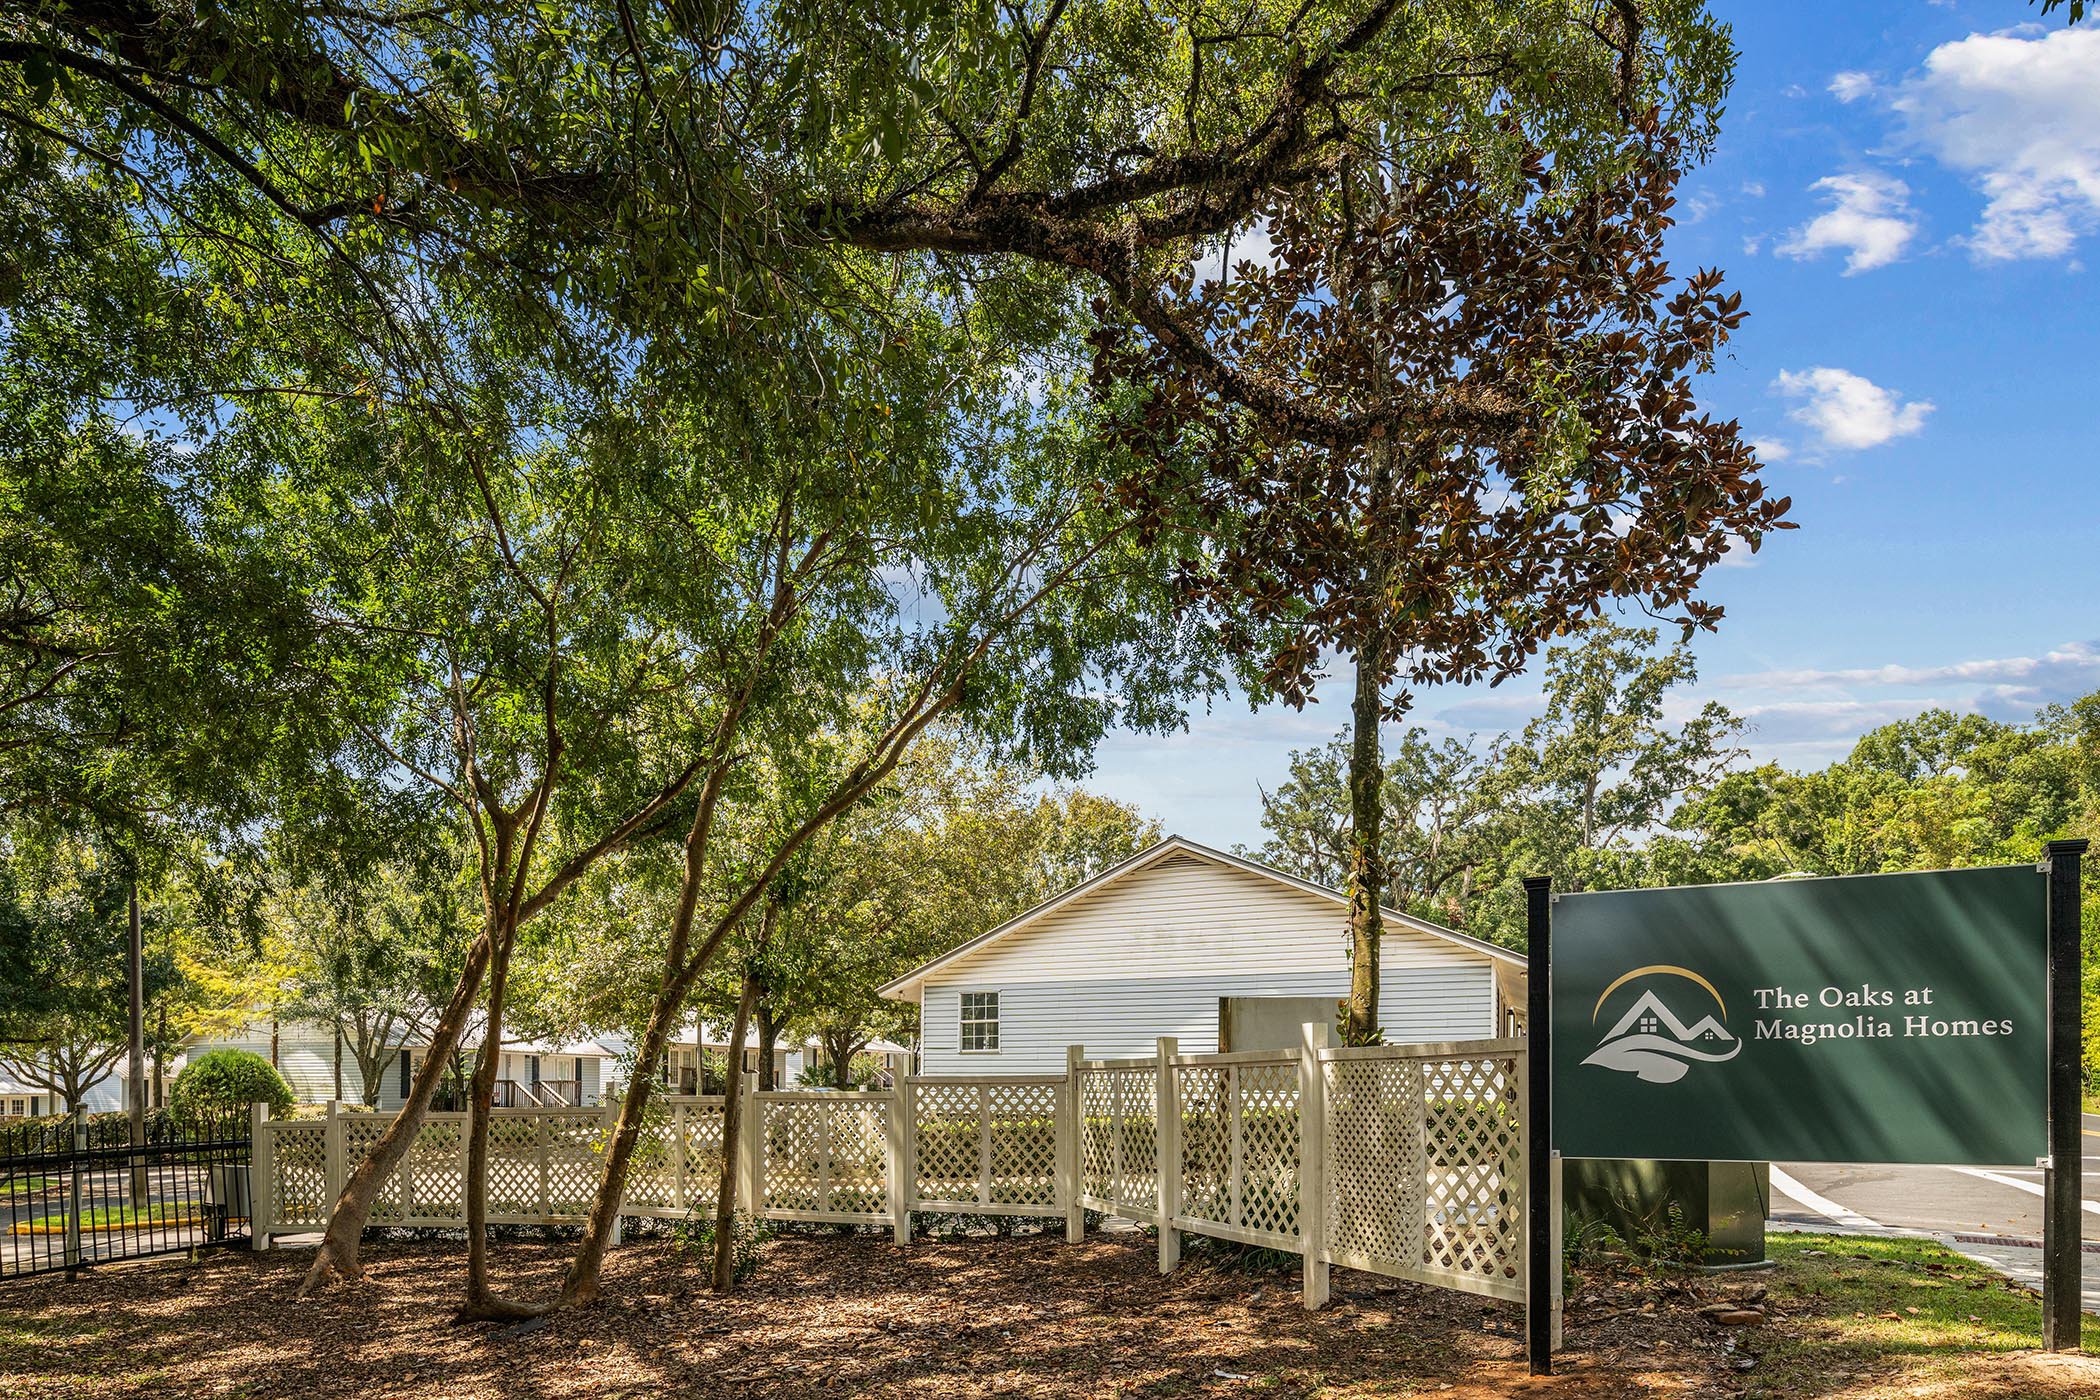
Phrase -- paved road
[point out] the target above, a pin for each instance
(1994, 1214)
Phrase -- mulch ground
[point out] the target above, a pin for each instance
(825, 1316)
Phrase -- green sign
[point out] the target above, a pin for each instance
(1872, 1018)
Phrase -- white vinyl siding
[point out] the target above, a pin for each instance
(305, 1057)
(1152, 952)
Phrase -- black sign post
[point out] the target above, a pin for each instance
(2062, 1179)
(1540, 1260)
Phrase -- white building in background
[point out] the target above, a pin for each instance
(532, 1073)
(1213, 949)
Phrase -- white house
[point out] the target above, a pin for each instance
(531, 1072)
(1185, 941)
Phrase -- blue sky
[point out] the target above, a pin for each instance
(1908, 197)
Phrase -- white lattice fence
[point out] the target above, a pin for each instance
(1239, 1147)
(1119, 1137)
(984, 1146)
(1425, 1163)
(825, 1157)
(543, 1167)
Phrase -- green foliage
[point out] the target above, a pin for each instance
(695, 1237)
(221, 1084)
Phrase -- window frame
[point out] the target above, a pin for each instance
(965, 1023)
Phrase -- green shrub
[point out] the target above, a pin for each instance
(222, 1083)
(747, 1233)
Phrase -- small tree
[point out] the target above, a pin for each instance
(1513, 369)
(222, 1083)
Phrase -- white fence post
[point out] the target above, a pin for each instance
(1312, 1163)
(900, 1132)
(332, 1156)
(1167, 1151)
(1071, 1149)
(751, 1150)
(1556, 1221)
(259, 1187)
(542, 1153)
(678, 1197)
(611, 1109)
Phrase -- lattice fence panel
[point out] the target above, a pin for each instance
(1475, 1169)
(299, 1174)
(514, 1166)
(1206, 1142)
(575, 1153)
(794, 1155)
(703, 1155)
(1022, 1123)
(437, 1182)
(948, 1143)
(1374, 1163)
(650, 1185)
(361, 1133)
(1097, 1135)
(1268, 1112)
(859, 1178)
(1136, 1184)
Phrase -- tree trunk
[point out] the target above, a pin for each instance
(580, 1286)
(339, 1063)
(337, 1259)
(768, 1038)
(481, 1304)
(732, 1115)
(1367, 875)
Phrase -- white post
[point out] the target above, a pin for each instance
(1071, 1171)
(1556, 1219)
(751, 1149)
(1312, 1163)
(678, 1156)
(259, 1185)
(332, 1158)
(1167, 1136)
(543, 1152)
(611, 1110)
(899, 1134)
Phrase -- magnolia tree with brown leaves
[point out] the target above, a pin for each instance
(1509, 442)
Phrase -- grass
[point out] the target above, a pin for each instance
(122, 1218)
(25, 1185)
(1859, 1308)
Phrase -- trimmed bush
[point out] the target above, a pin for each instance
(222, 1083)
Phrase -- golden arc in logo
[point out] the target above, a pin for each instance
(1674, 971)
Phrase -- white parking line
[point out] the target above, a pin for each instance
(2030, 1187)
(1823, 1205)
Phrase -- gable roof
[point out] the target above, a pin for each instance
(907, 987)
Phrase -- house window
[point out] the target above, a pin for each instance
(980, 1020)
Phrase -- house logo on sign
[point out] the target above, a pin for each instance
(1651, 1039)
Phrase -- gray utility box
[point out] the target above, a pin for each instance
(1725, 1201)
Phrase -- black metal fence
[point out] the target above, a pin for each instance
(75, 1193)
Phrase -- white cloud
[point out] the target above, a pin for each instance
(1754, 188)
(1849, 411)
(1250, 244)
(1851, 85)
(2022, 116)
(2072, 658)
(1771, 450)
(1869, 217)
